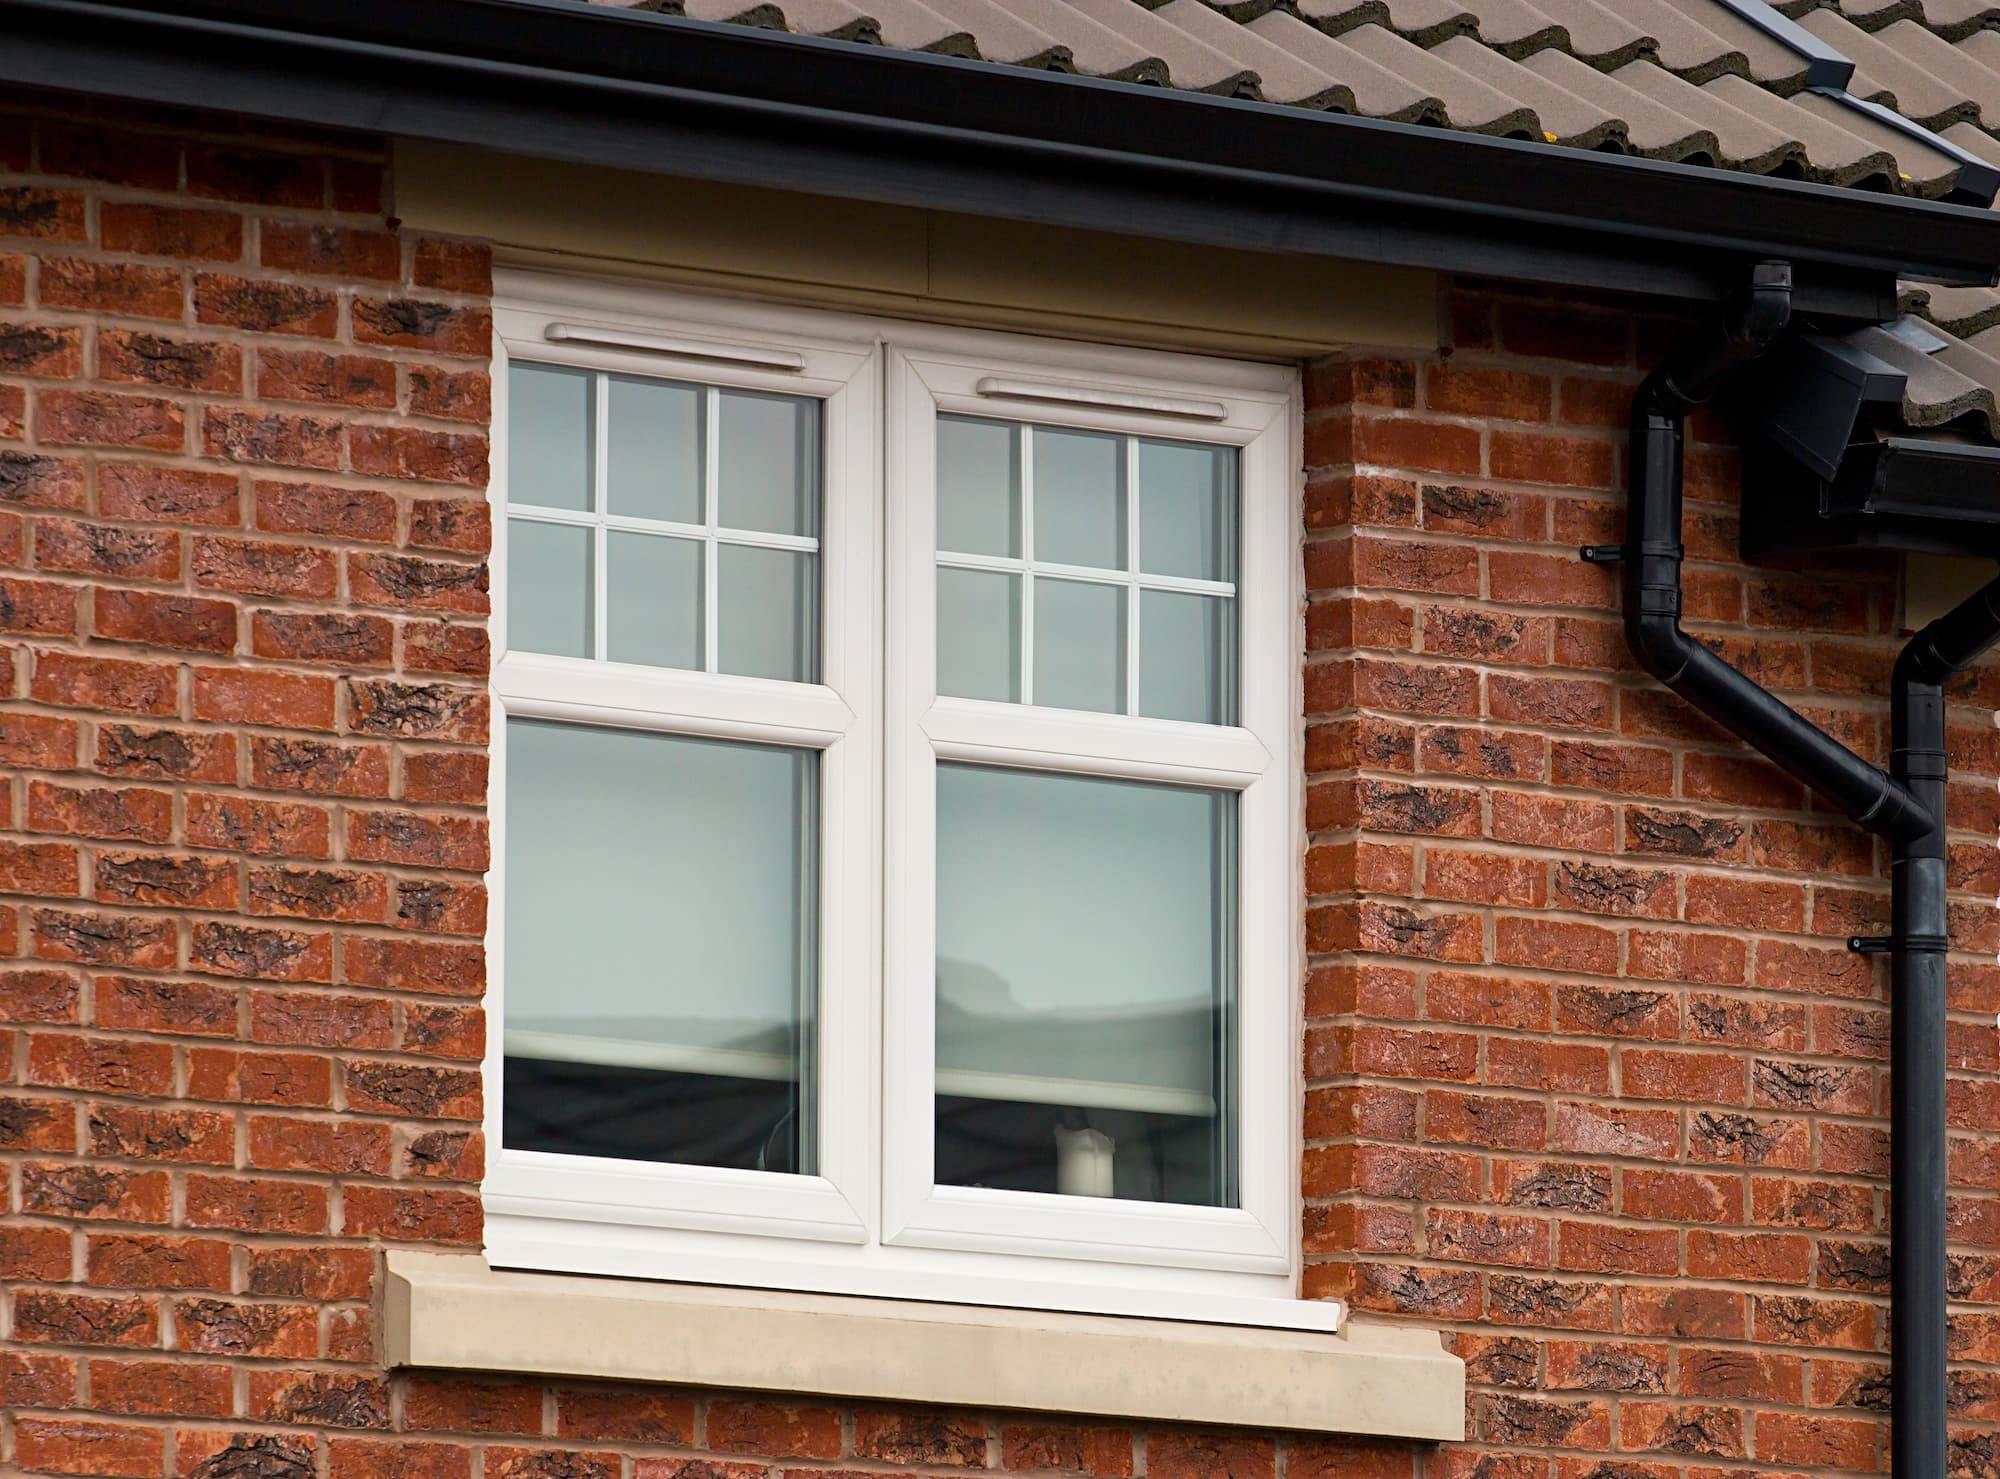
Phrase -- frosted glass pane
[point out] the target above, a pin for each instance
(1085, 982)
(656, 600)
(979, 635)
(1080, 646)
(766, 622)
(1079, 498)
(1187, 510)
(1187, 657)
(548, 588)
(660, 946)
(769, 462)
(978, 486)
(655, 450)
(549, 437)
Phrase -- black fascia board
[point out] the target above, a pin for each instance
(568, 80)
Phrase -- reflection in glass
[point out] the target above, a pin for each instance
(1080, 646)
(768, 462)
(765, 624)
(1086, 986)
(549, 436)
(979, 634)
(978, 486)
(656, 600)
(1187, 510)
(661, 914)
(654, 450)
(549, 601)
(1079, 498)
(1187, 665)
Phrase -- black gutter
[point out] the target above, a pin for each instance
(1906, 806)
(566, 80)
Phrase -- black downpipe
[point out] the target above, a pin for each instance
(1906, 806)
(1919, 940)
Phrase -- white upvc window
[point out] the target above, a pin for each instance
(898, 794)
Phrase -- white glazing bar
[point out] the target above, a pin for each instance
(1130, 493)
(1027, 561)
(1192, 585)
(711, 512)
(633, 523)
(600, 496)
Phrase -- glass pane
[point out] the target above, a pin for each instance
(769, 462)
(978, 486)
(1187, 657)
(979, 635)
(655, 450)
(656, 600)
(766, 621)
(1079, 498)
(1086, 992)
(1187, 510)
(661, 916)
(548, 588)
(549, 437)
(1080, 646)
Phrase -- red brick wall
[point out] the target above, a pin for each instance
(242, 462)
(1593, 1081)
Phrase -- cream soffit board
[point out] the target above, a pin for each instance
(452, 1312)
(912, 263)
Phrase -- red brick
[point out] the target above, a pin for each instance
(49, 350)
(453, 266)
(57, 1318)
(265, 307)
(276, 437)
(326, 379)
(36, 481)
(256, 1206)
(409, 584)
(186, 1136)
(229, 1327)
(144, 1004)
(263, 568)
(326, 1146)
(189, 623)
(773, 1429)
(72, 1446)
(47, 868)
(418, 841)
(170, 231)
(411, 452)
(162, 1388)
(167, 495)
(417, 323)
(179, 364)
(307, 508)
(329, 251)
(244, 696)
(94, 938)
(266, 954)
(154, 1261)
(104, 549)
(128, 814)
(242, 824)
(37, 742)
(109, 287)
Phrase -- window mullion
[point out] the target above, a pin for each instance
(1130, 493)
(1027, 564)
(600, 498)
(711, 500)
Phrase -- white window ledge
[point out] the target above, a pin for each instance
(452, 1312)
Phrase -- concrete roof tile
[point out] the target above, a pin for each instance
(1746, 141)
(1394, 89)
(1885, 75)
(1651, 128)
(1285, 76)
(1566, 117)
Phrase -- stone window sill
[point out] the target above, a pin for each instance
(452, 1312)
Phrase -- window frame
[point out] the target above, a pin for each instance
(538, 1203)
(1248, 758)
(870, 1222)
